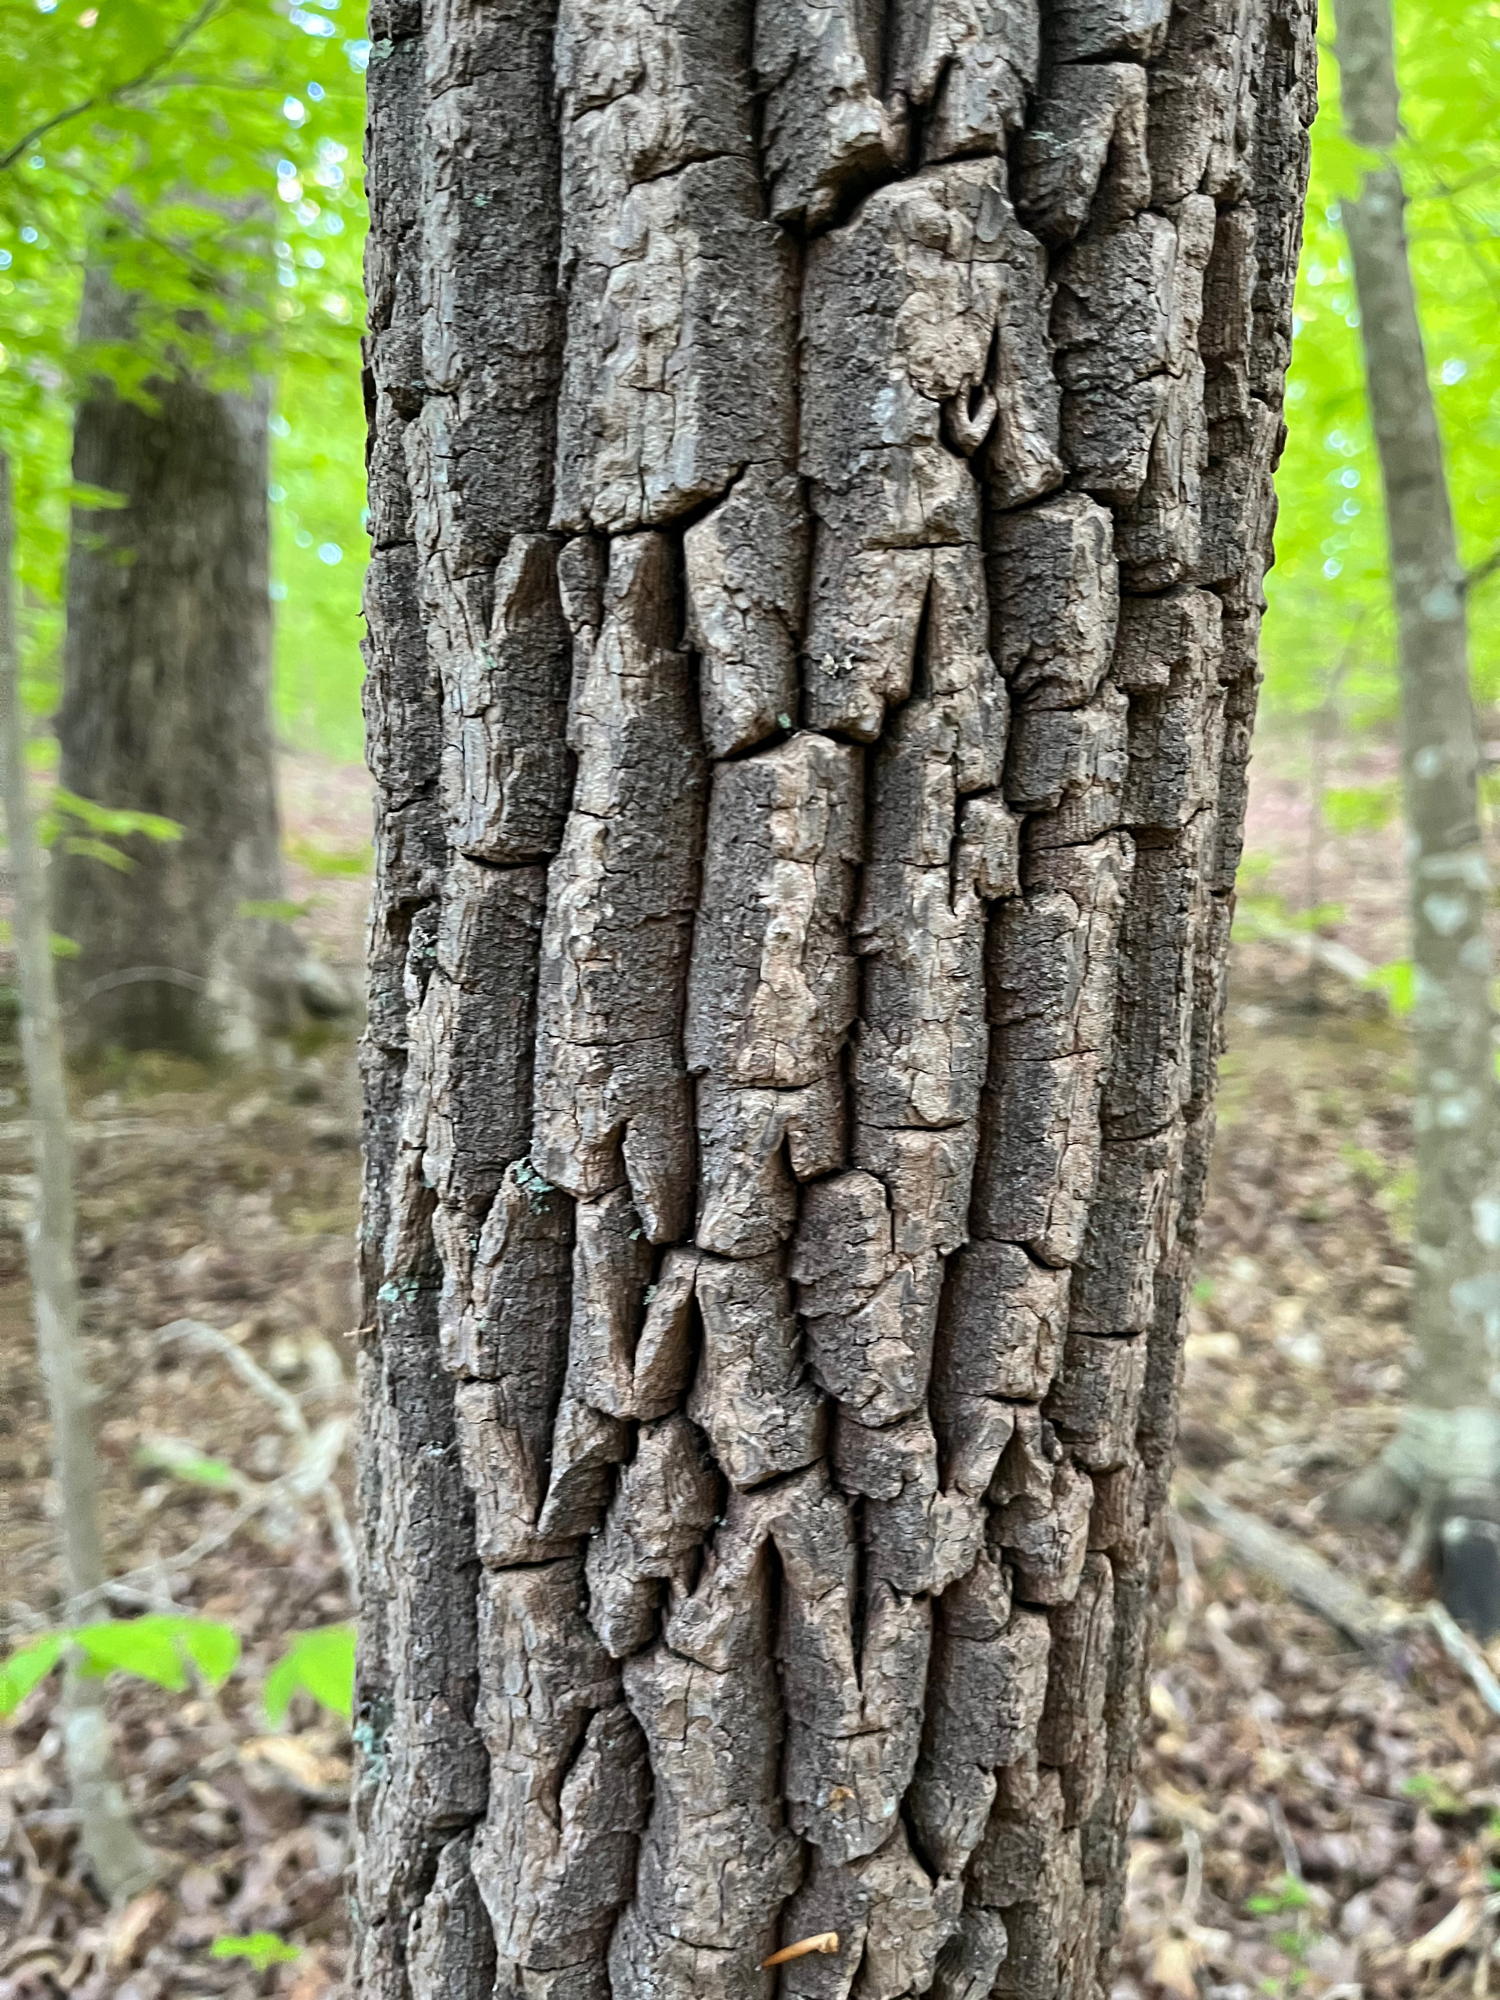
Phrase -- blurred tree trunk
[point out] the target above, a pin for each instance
(1445, 1463)
(810, 778)
(120, 1859)
(166, 710)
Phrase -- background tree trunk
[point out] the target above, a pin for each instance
(812, 660)
(1446, 1459)
(166, 709)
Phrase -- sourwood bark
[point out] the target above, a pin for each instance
(166, 708)
(1445, 1461)
(820, 485)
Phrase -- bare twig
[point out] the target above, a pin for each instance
(249, 1370)
(140, 1581)
(189, 1558)
(1299, 1570)
(1291, 1860)
(1192, 1884)
(1465, 1655)
(132, 975)
(337, 1516)
(311, 1477)
(1189, 1588)
(1327, 952)
(124, 214)
(319, 1450)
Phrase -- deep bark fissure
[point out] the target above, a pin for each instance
(810, 1322)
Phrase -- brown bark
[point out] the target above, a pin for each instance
(166, 710)
(1446, 1460)
(789, 1102)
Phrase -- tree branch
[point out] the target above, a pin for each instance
(1465, 1655)
(1299, 1570)
(117, 93)
(121, 212)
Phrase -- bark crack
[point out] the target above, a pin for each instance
(813, 703)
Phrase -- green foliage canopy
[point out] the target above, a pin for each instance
(209, 151)
(1330, 628)
(122, 112)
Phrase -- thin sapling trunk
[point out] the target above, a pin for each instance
(121, 1862)
(1444, 1466)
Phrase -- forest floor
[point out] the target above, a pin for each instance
(1308, 1823)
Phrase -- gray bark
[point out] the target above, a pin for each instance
(166, 709)
(121, 1861)
(820, 479)
(1446, 1459)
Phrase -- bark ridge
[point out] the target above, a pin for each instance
(821, 464)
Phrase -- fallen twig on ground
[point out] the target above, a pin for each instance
(1325, 952)
(1299, 1570)
(1465, 1655)
(319, 1450)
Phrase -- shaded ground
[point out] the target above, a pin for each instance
(1307, 1825)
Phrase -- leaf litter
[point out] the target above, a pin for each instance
(1308, 1823)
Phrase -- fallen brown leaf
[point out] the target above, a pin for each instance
(135, 1924)
(1174, 1967)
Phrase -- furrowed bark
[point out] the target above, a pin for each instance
(821, 487)
(1446, 1460)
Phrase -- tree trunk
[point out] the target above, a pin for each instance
(820, 479)
(121, 1861)
(166, 710)
(1446, 1459)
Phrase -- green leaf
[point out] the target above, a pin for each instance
(319, 1663)
(1360, 808)
(1266, 914)
(1285, 1893)
(96, 850)
(1397, 980)
(158, 1648)
(27, 1667)
(80, 494)
(118, 820)
(185, 1462)
(275, 910)
(327, 861)
(262, 1948)
(213, 1648)
(1433, 1791)
(143, 1647)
